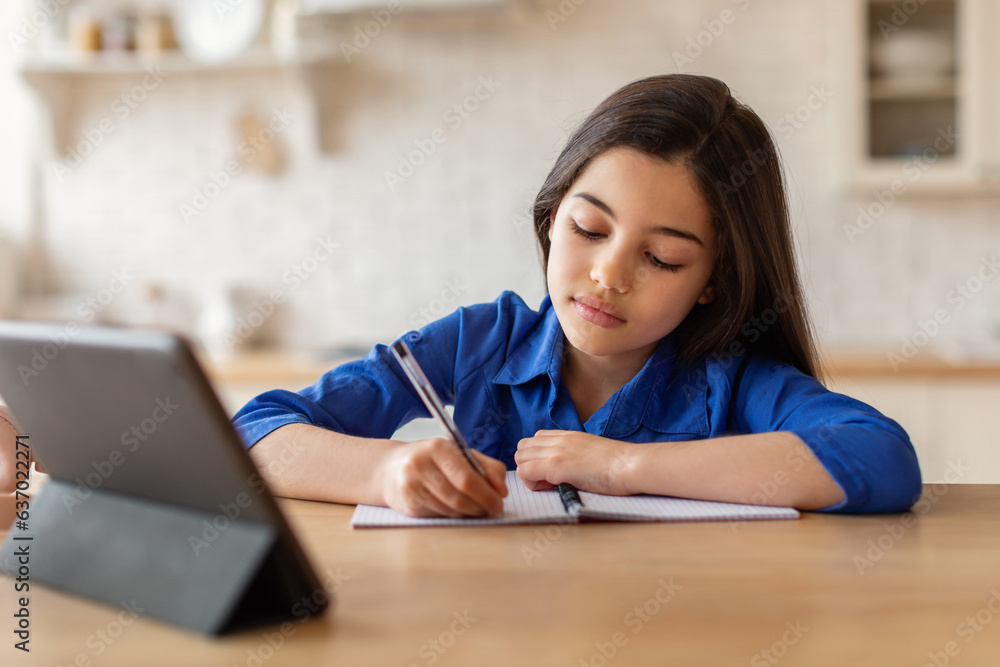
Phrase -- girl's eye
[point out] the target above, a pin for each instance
(663, 265)
(584, 233)
(674, 268)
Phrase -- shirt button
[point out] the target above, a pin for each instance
(413, 337)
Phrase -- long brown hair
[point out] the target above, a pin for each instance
(695, 121)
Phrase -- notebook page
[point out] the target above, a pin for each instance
(665, 508)
(520, 506)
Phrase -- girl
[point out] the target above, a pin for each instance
(671, 355)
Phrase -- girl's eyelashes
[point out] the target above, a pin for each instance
(663, 265)
(584, 233)
(577, 229)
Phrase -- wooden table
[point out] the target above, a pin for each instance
(824, 590)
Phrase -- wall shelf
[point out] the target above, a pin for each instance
(56, 78)
(171, 61)
(933, 88)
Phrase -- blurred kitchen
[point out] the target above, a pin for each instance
(291, 181)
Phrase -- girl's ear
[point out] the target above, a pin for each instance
(707, 295)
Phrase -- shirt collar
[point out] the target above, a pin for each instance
(539, 352)
(662, 396)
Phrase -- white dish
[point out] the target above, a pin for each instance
(914, 54)
(217, 31)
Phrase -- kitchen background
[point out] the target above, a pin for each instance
(319, 181)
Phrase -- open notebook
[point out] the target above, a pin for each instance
(525, 506)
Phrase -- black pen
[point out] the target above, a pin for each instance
(433, 402)
(570, 498)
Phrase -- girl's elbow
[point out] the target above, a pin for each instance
(899, 482)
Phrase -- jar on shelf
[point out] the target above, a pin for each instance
(83, 30)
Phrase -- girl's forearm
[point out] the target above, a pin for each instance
(311, 463)
(761, 469)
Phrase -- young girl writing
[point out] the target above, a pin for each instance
(671, 355)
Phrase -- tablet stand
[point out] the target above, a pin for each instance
(153, 558)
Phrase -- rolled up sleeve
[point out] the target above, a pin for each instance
(370, 397)
(868, 455)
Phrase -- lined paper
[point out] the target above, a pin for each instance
(523, 506)
(520, 506)
(666, 508)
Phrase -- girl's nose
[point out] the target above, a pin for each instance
(611, 271)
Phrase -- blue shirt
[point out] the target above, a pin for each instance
(499, 365)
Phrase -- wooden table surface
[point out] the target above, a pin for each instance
(914, 589)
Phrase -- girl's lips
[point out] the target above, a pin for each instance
(594, 316)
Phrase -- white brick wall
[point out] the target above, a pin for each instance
(454, 219)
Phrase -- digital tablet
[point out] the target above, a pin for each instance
(152, 495)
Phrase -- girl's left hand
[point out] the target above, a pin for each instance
(588, 462)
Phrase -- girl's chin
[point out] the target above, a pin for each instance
(592, 346)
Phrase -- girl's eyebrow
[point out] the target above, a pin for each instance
(665, 231)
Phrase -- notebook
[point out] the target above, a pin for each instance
(524, 506)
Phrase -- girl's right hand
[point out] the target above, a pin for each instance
(431, 478)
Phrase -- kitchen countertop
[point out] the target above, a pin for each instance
(279, 366)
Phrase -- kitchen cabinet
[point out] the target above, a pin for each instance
(948, 409)
(917, 96)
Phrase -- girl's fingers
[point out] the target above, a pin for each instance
(461, 487)
(533, 477)
(425, 504)
(496, 472)
(440, 485)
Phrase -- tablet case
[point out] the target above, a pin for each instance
(147, 536)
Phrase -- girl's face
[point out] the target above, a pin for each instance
(632, 252)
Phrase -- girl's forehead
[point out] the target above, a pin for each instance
(637, 189)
